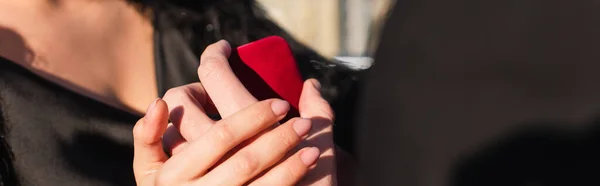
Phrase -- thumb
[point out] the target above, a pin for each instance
(148, 149)
(312, 105)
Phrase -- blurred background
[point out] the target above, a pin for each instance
(334, 28)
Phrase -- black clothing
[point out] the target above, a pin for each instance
(59, 137)
(474, 93)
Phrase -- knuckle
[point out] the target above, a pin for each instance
(246, 164)
(165, 178)
(137, 133)
(179, 96)
(287, 139)
(261, 118)
(176, 92)
(211, 66)
(257, 118)
(223, 134)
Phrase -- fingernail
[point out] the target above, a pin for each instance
(317, 84)
(310, 156)
(225, 43)
(302, 126)
(280, 107)
(150, 109)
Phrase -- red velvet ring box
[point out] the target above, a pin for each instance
(268, 69)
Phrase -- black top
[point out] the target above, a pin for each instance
(59, 137)
(484, 93)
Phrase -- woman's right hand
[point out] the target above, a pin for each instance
(209, 159)
(242, 148)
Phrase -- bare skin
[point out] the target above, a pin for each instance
(101, 49)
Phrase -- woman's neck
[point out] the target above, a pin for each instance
(102, 49)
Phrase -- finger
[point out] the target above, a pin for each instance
(264, 152)
(313, 106)
(224, 88)
(291, 170)
(173, 142)
(187, 110)
(198, 156)
(148, 151)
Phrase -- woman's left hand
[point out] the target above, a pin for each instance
(229, 96)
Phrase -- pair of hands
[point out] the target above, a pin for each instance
(242, 148)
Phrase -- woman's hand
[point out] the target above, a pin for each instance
(222, 92)
(209, 159)
(233, 151)
(188, 124)
(314, 107)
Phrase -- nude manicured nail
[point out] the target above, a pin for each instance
(151, 108)
(280, 107)
(302, 126)
(310, 156)
(317, 84)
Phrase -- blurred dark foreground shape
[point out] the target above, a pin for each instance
(484, 93)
